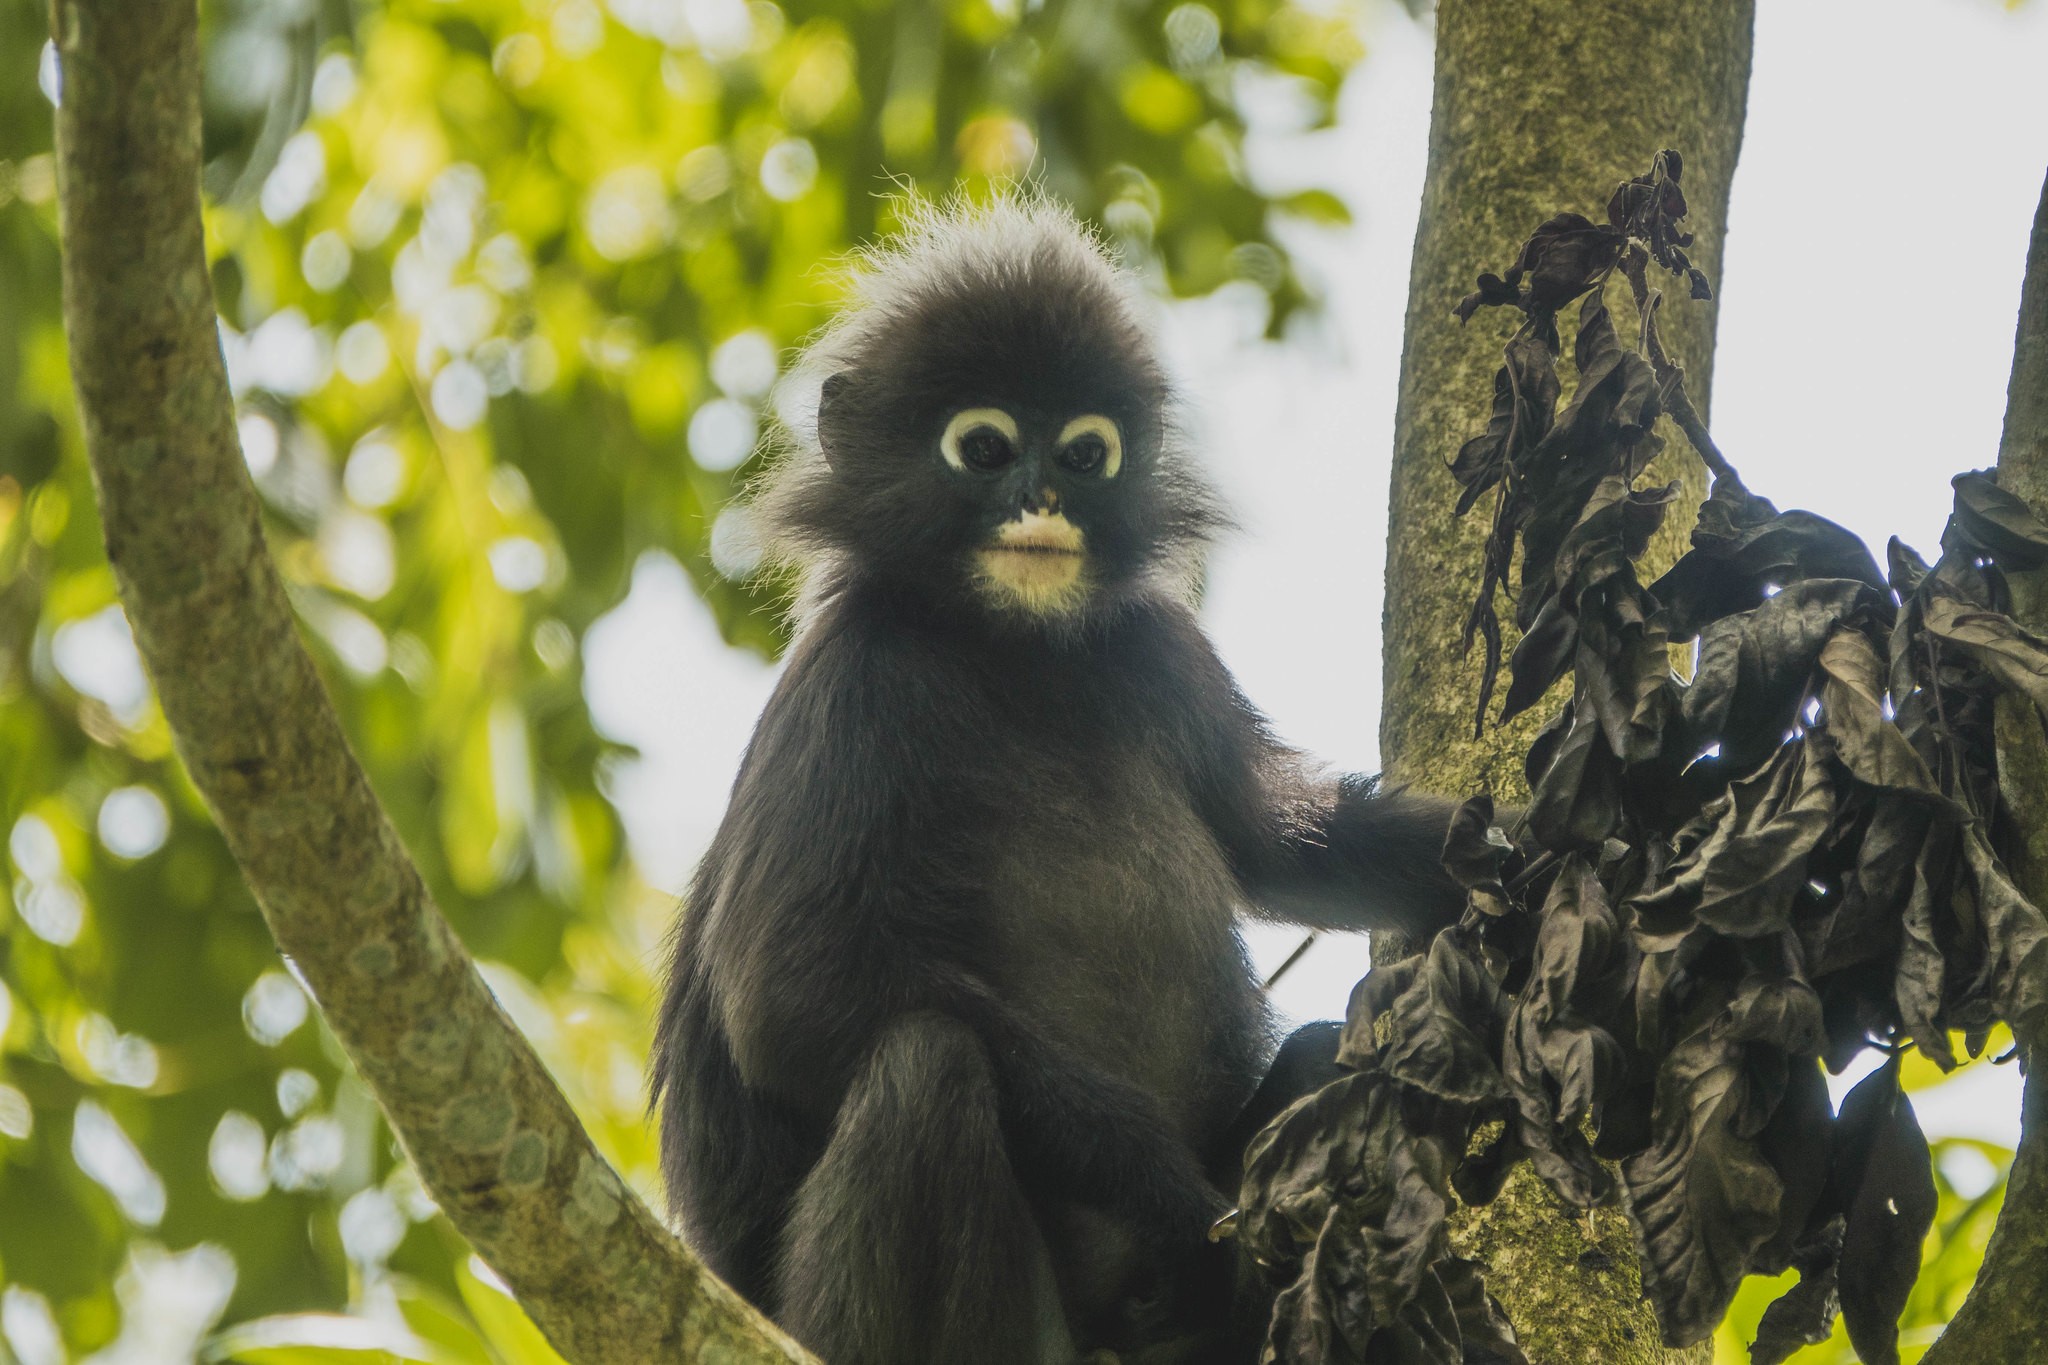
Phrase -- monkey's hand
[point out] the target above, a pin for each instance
(1158, 1185)
(1174, 1294)
(1183, 1205)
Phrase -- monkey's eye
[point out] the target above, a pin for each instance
(985, 448)
(1085, 454)
(981, 439)
(1091, 445)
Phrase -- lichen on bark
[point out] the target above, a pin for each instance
(1593, 1313)
(1538, 107)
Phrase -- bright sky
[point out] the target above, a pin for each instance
(1920, 124)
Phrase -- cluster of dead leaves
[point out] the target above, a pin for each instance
(1718, 887)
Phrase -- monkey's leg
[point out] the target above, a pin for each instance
(910, 1240)
(731, 1160)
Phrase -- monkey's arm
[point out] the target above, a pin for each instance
(1311, 848)
(1342, 853)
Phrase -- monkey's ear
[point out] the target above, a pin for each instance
(834, 400)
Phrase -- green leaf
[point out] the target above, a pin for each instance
(1318, 206)
(442, 1325)
(328, 1339)
(504, 1323)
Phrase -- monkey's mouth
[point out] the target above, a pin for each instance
(1035, 561)
(1036, 534)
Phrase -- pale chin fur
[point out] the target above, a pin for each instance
(1038, 565)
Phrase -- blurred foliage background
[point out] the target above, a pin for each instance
(1969, 1182)
(504, 285)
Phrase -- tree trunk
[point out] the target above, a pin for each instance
(1540, 106)
(486, 1128)
(2002, 1320)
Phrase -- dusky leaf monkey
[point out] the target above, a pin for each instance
(961, 1047)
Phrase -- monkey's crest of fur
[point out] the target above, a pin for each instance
(984, 266)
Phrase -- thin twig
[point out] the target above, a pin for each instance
(1543, 863)
(1678, 403)
(1670, 374)
(1300, 951)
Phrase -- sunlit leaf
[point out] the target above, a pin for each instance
(503, 1322)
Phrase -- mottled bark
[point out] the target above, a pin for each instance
(1540, 106)
(2023, 448)
(491, 1135)
(2002, 1318)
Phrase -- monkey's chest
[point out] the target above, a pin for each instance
(1111, 916)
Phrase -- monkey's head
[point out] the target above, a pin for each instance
(992, 426)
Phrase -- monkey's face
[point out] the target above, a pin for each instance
(1032, 505)
(1003, 445)
(1036, 561)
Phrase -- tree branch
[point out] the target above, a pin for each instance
(484, 1124)
(2000, 1320)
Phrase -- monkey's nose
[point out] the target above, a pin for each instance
(1045, 500)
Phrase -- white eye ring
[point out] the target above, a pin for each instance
(1095, 424)
(966, 420)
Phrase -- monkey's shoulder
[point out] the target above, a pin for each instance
(862, 689)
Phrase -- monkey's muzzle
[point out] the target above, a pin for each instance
(1036, 560)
